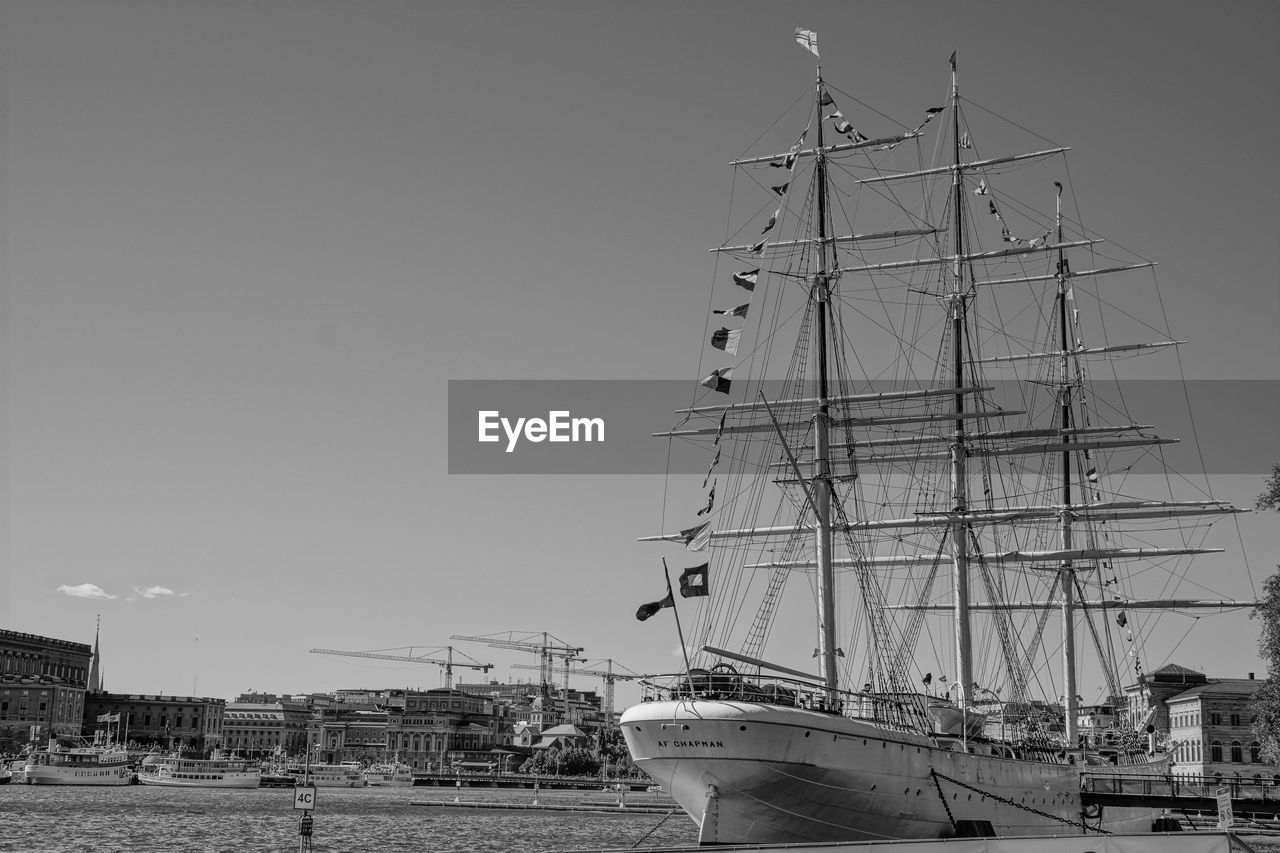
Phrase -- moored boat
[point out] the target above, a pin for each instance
(348, 774)
(79, 765)
(390, 775)
(958, 520)
(214, 772)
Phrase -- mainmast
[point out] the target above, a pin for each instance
(821, 294)
(1066, 574)
(959, 487)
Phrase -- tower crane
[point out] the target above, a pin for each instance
(607, 674)
(447, 663)
(547, 648)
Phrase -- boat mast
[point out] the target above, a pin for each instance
(821, 294)
(1066, 575)
(959, 486)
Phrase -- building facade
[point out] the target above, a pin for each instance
(447, 729)
(169, 722)
(42, 687)
(257, 725)
(1208, 720)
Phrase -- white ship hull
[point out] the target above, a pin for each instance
(399, 778)
(79, 768)
(330, 775)
(754, 773)
(200, 774)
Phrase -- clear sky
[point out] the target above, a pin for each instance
(245, 245)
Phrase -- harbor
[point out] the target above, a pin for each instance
(580, 427)
(154, 820)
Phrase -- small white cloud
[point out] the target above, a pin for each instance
(85, 590)
(153, 592)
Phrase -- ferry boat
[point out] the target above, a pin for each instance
(390, 775)
(215, 772)
(348, 774)
(101, 763)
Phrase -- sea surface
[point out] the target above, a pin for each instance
(145, 819)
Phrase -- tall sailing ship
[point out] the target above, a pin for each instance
(944, 470)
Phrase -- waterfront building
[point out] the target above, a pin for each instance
(563, 737)
(260, 724)
(169, 722)
(543, 708)
(349, 725)
(42, 687)
(445, 729)
(1209, 723)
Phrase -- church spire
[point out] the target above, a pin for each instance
(95, 679)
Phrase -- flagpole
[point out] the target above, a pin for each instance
(666, 573)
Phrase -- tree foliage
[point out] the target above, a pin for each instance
(1265, 706)
(1270, 497)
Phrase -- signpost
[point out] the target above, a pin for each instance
(1224, 808)
(304, 800)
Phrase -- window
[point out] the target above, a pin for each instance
(1215, 751)
(1237, 754)
(1235, 719)
(1255, 753)
(1215, 719)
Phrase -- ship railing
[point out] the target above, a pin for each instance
(1263, 789)
(724, 682)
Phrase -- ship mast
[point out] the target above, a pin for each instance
(821, 294)
(959, 487)
(1066, 575)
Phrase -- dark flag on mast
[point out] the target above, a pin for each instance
(693, 582)
(647, 610)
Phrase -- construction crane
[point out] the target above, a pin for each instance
(607, 674)
(540, 643)
(447, 663)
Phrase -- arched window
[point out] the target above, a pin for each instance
(1237, 754)
(1215, 751)
(1255, 753)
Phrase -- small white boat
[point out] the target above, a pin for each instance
(390, 775)
(215, 772)
(348, 774)
(17, 770)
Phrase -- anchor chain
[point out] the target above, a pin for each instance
(936, 776)
(943, 797)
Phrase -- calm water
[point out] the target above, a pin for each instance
(143, 819)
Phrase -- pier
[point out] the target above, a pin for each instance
(1193, 801)
(520, 780)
